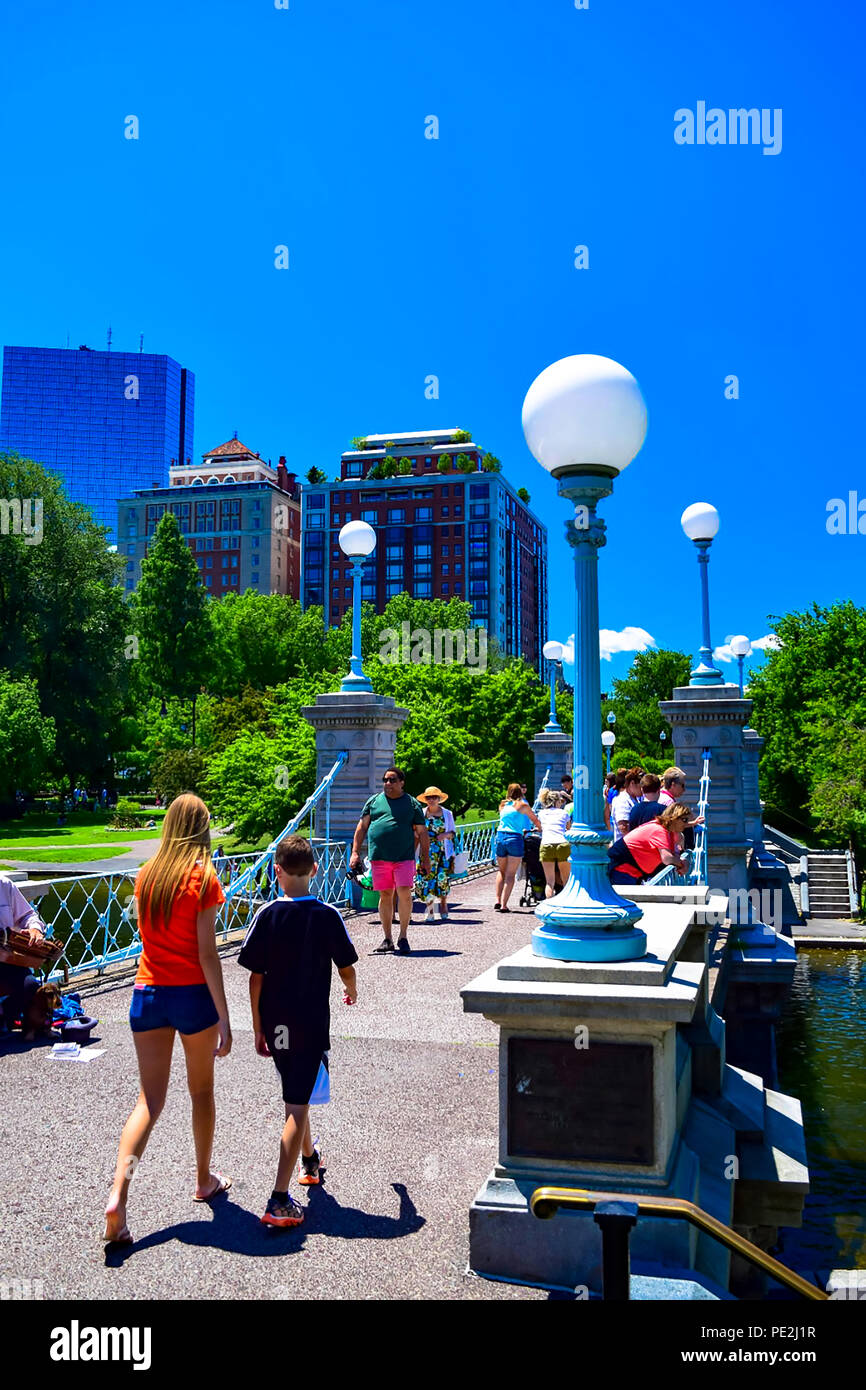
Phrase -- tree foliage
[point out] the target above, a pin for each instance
(809, 706)
(653, 676)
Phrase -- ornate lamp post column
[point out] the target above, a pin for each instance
(552, 652)
(608, 739)
(700, 522)
(585, 419)
(741, 647)
(357, 541)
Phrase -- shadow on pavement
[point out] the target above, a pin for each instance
(235, 1229)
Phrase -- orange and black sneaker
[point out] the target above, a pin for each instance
(308, 1169)
(282, 1210)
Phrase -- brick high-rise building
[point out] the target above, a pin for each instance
(441, 533)
(240, 516)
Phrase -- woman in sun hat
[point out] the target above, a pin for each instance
(440, 827)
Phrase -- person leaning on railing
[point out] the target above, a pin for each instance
(642, 852)
(18, 983)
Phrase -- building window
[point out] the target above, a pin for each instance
(392, 590)
(234, 561)
(479, 509)
(208, 562)
(354, 469)
(445, 569)
(444, 511)
(370, 516)
(208, 579)
(479, 490)
(225, 562)
(458, 511)
(422, 588)
(394, 571)
(445, 550)
(316, 500)
(130, 566)
(316, 520)
(423, 552)
(347, 592)
(446, 588)
(423, 513)
(396, 514)
(130, 584)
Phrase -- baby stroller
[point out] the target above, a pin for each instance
(533, 874)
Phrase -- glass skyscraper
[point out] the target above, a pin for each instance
(107, 422)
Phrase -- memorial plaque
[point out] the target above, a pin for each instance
(593, 1104)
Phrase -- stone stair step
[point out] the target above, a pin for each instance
(742, 1101)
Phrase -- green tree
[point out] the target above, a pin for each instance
(316, 476)
(444, 463)
(653, 676)
(465, 464)
(404, 466)
(523, 494)
(808, 700)
(179, 770)
(26, 741)
(172, 621)
(63, 620)
(462, 436)
(359, 441)
(837, 802)
(491, 464)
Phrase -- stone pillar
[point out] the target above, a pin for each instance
(550, 751)
(714, 717)
(365, 726)
(753, 743)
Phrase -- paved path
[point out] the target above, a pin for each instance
(116, 864)
(829, 931)
(410, 1135)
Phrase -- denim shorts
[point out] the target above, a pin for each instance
(509, 843)
(187, 1008)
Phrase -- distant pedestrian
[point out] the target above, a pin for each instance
(555, 849)
(673, 785)
(566, 783)
(609, 794)
(642, 852)
(178, 989)
(393, 824)
(515, 816)
(624, 802)
(288, 951)
(432, 889)
(649, 807)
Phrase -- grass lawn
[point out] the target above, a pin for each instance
(63, 856)
(81, 828)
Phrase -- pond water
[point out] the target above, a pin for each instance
(822, 1060)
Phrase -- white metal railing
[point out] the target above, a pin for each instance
(94, 915)
(542, 786)
(477, 837)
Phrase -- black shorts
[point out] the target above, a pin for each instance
(298, 1072)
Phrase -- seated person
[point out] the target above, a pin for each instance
(642, 852)
(18, 984)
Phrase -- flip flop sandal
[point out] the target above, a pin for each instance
(224, 1185)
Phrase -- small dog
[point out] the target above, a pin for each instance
(39, 1017)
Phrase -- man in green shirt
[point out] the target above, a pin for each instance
(393, 824)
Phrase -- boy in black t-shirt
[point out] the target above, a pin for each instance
(288, 950)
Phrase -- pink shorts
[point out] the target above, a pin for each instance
(387, 875)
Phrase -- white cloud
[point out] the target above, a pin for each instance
(769, 643)
(631, 639)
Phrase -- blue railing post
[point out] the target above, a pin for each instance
(616, 1220)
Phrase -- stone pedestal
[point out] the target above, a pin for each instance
(552, 751)
(714, 717)
(365, 726)
(612, 1077)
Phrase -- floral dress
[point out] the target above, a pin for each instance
(429, 887)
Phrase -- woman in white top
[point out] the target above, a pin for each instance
(555, 849)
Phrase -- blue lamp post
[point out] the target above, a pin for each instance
(741, 647)
(357, 541)
(700, 522)
(584, 419)
(552, 652)
(608, 739)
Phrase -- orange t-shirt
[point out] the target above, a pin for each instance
(169, 954)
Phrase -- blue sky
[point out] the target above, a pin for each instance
(454, 256)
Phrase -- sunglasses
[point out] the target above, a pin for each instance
(390, 779)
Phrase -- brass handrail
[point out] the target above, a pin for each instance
(545, 1202)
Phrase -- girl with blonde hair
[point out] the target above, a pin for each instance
(178, 989)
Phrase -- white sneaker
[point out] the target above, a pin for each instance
(435, 913)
